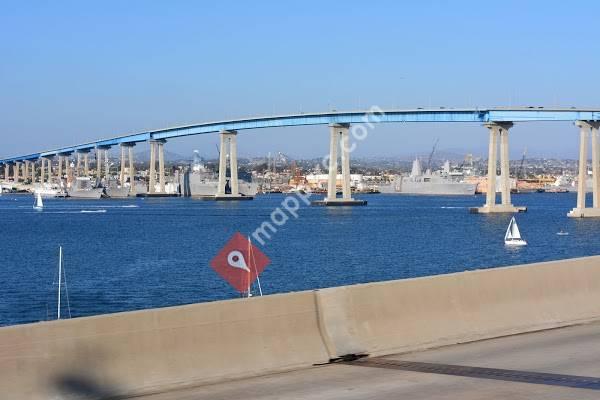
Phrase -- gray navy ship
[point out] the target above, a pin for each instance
(444, 182)
(199, 181)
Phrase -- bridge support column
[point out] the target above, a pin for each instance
(99, 154)
(60, 167)
(46, 170)
(122, 165)
(498, 130)
(339, 137)
(42, 170)
(581, 210)
(127, 154)
(25, 171)
(161, 166)
(157, 146)
(6, 172)
(68, 168)
(228, 150)
(50, 177)
(78, 165)
(33, 172)
(86, 164)
(131, 171)
(106, 167)
(16, 169)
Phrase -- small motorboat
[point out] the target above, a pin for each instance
(513, 236)
(562, 233)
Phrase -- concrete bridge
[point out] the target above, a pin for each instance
(497, 120)
(172, 353)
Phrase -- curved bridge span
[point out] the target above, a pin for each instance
(498, 120)
(480, 115)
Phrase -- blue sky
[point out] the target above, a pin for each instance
(76, 71)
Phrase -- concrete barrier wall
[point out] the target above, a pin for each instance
(398, 316)
(145, 351)
(154, 350)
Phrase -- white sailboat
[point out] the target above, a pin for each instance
(39, 204)
(513, 236)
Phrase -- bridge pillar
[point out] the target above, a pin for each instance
(68, 168)
(16, 169)
(339, 137)
(50, 178)
(581, 210)
(102, 164)
(46, 170)
(6, 171)
(122, 165)
(78, 165)
(498, 130)
(161, 165)
(228, 150)
(157, 146)
(106, 166)
(86, 164)
(42, 169)
(99, 153)
(131, 171)
(25, 170)
(152, 169)
(60, 167)
(32, 172)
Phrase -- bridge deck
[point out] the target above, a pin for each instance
(480, 115)
(514, 367)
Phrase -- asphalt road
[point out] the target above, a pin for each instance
(555, 364)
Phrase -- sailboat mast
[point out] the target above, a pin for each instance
(60, 258)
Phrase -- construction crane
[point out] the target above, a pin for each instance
(431, 154)
(520, 170)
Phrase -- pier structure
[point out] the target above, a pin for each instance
(339, 140)
(16, 168)
(26, 164)
(46, 169)
(498, 132)
(127, 156)
(23, 171)
(63, 158)
(33, 172)
(228, 152)
(157, 148)
(587, 128)
(102, 161)
(86, 162)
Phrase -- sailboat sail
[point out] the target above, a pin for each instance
(39, 204)
(513, 235)
(515, 229)
(509, 231)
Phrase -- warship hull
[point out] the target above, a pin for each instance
(440, 188)
(195, 185)
(85, 193)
